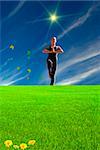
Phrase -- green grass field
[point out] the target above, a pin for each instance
(57, 117)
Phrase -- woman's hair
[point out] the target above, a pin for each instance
(54, 37)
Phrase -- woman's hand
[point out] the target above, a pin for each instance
(53, 50)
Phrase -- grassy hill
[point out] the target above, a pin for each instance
(57, 117)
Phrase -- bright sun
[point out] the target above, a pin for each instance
(53, 18)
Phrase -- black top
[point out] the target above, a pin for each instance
(52, 55)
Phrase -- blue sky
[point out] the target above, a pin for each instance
(26, 29)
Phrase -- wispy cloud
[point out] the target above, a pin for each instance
(81, 20)
(12, 13)
(88, 51)
(73, 61)
(14, 81)
(10, 77)
(79, 77)
(8, 60)
(2, 50)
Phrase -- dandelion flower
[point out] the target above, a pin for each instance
(8, 143)
(31, 142)
(23, 146)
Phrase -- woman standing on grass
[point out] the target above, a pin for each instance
(52, 52)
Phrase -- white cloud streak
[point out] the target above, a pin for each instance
(12, 13)
(79, 77)
(81, 20)
(78, 59)
(7, 83)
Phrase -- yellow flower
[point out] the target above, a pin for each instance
(11, 46)
(29, 70)
(23, 146)
(16, 146)
(8, 143)
(31, 142)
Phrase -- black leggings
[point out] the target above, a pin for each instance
(51, 64)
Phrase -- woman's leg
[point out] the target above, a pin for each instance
(53, 72)
(49, 66)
